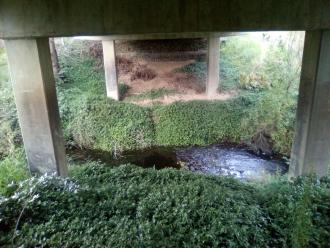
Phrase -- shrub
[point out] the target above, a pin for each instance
(132, 207)
(128, 206)
(240, 58)
(198, 122)
(274, 113)
(298, 212)
(103, 124)
(272, 116)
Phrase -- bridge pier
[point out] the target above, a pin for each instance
(311, 148)
(111, 78)
(213, 68)
(35, 96)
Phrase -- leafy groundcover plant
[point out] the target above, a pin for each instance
(127, 206)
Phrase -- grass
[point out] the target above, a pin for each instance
(13, 169)
(128, 206)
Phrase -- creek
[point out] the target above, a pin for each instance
(220, 159)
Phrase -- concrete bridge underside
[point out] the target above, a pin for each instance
(26, 26)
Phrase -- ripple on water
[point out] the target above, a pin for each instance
(235, 162)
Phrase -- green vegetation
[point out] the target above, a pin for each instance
(3, 66)
(240, 59)
(102, 124)
(263, 113)
(128, 206)
(199, 69)
(13, 169)
(198, 122)
(152, 94)
(94, 122)
(123, 88)
(269, 76)
(9, 131)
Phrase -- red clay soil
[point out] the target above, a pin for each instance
(142, 76)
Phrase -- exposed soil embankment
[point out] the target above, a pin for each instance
(153, 65)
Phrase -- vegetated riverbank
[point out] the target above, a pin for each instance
(127, 206)
(97, 123)
(262, 116)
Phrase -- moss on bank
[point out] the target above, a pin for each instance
(128, 206)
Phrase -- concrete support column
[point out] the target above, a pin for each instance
(311, 148)
(35, 96)
(109, 56)
(213, 68)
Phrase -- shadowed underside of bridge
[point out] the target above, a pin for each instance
(26, 26)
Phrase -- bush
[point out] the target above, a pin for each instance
(198, 122)
(133, 207)
(103, 124)
(240, 61)
(274, 114)
(198, 68)
(273, 117)
(298, 212)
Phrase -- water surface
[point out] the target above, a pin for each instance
(227, 160)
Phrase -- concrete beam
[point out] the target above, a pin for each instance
(164, 36)
(35, 96)
(40, 18)
(213, 68)
(311, 148)
(109, 57)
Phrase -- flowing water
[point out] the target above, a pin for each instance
(225, 160)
